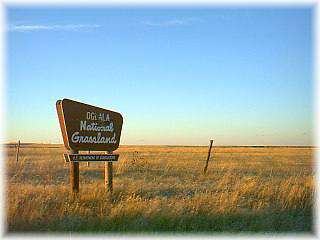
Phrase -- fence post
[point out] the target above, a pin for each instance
(108, 175)
(74, 174)
(207, 162)
(17, 152)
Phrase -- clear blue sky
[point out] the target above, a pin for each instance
(242, 76)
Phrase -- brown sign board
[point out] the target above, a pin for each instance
(91, 157)
(85, 127)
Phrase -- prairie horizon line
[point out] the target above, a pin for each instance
(171, 145)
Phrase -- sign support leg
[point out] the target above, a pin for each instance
(108, 176)
(74, 175)
(108, 172)
(88, 163)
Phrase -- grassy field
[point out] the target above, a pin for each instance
(163, 189)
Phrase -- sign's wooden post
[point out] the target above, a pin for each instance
(88, 163)
(108, 176)
(74, 174)
(17, 154)
(207, 162)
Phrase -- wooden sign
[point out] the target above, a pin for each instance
(91, 157)
(85, 127)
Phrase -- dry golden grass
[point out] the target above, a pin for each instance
(161, 188)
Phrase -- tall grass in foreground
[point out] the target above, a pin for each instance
(161, 189)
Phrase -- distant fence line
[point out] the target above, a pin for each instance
(48, 145)
(33, 145)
